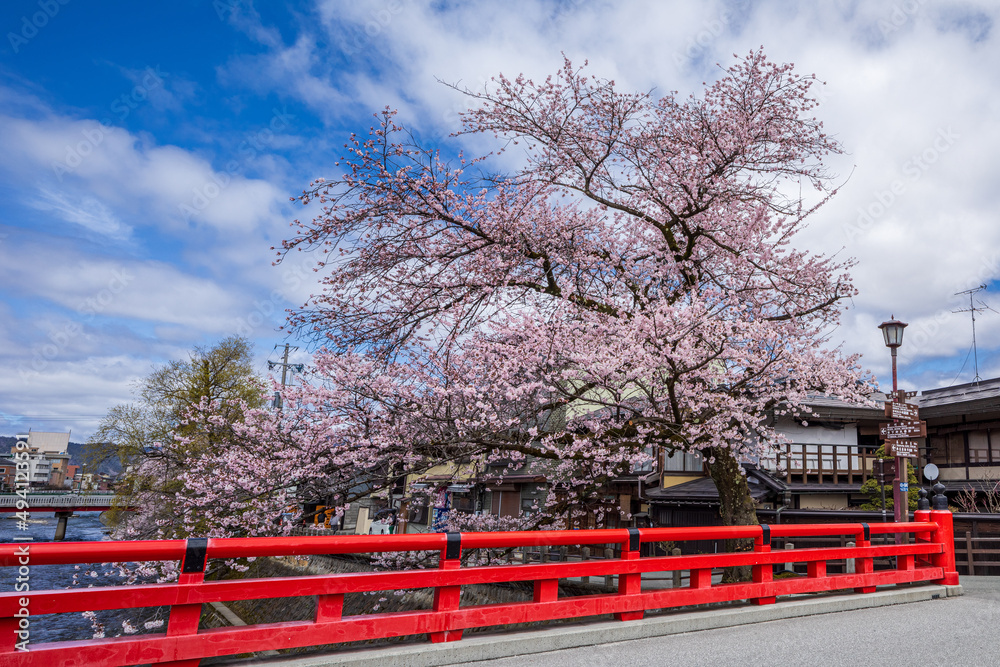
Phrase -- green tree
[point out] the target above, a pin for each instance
(874, 489)
(159, 435)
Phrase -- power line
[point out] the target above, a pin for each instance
(967, 355)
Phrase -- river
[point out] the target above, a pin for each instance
(82, 527)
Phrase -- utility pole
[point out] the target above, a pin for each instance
(972, 309)
(284, 371)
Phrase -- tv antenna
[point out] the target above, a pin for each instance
(973, 309)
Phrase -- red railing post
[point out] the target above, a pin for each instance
(329, 608)
(447, 598)
(630, 584)
(905, 562)
(923, 516)
(10, 627)
(763, 573)
(864, 565)
(546, 590)
(945, 536)
(10, 635)
(701, 578)
(184, 618)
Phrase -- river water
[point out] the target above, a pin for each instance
(82, 527)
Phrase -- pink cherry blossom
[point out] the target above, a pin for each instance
(634, 287)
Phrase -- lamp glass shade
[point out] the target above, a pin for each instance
(892, 331)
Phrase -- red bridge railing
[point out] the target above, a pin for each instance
(929, 557)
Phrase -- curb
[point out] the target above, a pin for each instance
(528, 642)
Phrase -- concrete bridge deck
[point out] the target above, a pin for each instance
(926, 625)
(57, 502)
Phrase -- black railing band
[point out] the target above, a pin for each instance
(868, 532)
(633, 539)
(765, 535)
(453, 548)
(195, 555)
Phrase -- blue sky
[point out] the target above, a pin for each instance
(150, 151)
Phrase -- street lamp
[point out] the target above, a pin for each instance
(892, 332)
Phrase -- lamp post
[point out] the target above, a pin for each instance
(892, 332)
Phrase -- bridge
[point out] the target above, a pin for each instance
(95, 501)
(924, 556)
(63, 504)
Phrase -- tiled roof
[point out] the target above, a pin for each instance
(962, 393)
(703, 491)
(831, 406)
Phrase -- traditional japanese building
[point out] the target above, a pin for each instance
(830, 454)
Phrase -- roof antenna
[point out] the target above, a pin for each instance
(973, 309)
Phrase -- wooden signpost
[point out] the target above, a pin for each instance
(899, 436)
(902, 411)
(905, 448)
(903, 430)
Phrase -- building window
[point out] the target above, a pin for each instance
(979, 447)
(956, 448)
(646, 466)
(676, 461)
(462, 503)
(966, 448)
(939, 449)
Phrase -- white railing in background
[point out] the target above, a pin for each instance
(96, 499)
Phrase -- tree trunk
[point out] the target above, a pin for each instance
(736, 507)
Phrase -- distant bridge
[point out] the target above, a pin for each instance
(98, 501)
(62, 504)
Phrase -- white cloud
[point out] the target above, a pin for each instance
(87, 212)
(173, 188)
(67, 395)
(912, 92)
(94, 286)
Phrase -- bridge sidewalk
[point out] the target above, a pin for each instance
(492, 646)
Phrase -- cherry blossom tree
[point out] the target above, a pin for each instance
(633, 286)
(172, 423)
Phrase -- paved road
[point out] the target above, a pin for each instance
(954, 631)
